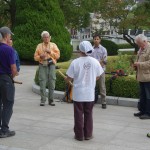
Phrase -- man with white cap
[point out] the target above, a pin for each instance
(84, 71)
(8, 71)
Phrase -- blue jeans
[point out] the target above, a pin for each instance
(7, 93)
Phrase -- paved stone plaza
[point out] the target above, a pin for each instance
(51, 128)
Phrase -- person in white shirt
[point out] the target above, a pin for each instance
(100, 53)
(84, 71)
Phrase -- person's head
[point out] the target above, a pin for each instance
(5, 34)
(141, 40)
(96, 39)
(10, 42)
(45, 37)
(86, 48)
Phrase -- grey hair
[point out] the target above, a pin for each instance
(44, 33)
(140, 37)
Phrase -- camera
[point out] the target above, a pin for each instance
(50, 61)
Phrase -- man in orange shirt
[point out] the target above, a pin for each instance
(47, 54)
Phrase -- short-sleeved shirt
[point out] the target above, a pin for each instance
(6, 58)
(84, 71)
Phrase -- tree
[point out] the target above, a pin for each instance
(77, 12)
(33, 17)
(7, 12)
(123, 15)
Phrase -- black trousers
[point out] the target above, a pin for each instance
(83, 119)
(7, 93)
(144, 104)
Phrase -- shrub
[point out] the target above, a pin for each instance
(112, 48)
(31, 19)
(120, 62)
(121, 86)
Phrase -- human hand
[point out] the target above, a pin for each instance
(135, 65)
(42, 56)
(102, 63)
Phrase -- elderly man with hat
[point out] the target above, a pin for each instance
(47, 54)
(84, 71)
(8, 71)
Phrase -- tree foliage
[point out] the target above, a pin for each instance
(77, 12)
(33, 17)
(123, 15)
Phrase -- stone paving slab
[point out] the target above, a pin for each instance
(51, 128)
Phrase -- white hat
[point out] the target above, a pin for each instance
(86, 47)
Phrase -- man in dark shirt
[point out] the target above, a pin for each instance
(8, 71)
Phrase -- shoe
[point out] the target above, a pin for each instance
(7, 134)
(138, 114)
(89, 138)
(104, 106)
(145, 116)
(52, 104)
(79, 139)
(42, 104)
(148, 135)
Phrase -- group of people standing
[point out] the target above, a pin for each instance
(83, 71)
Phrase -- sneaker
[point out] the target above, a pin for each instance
(138, 114)
(51, 104)
(42, 104)
(104, 106)
(7, 134)
(89, 138)
(145, 116)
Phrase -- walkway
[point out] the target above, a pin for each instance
(51, 128)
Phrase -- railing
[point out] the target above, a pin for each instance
(110, 34)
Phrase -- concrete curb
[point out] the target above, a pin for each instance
(111, 100)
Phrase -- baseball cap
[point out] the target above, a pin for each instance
(5, 30)
(86, 47)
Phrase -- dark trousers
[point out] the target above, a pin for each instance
(7, 91)
(144, 105)
(83, 119)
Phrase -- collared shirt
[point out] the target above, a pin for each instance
(54, 52)
(100, 53)
(6, 58)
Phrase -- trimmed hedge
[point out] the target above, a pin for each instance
(112, 48)
(122, 86)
